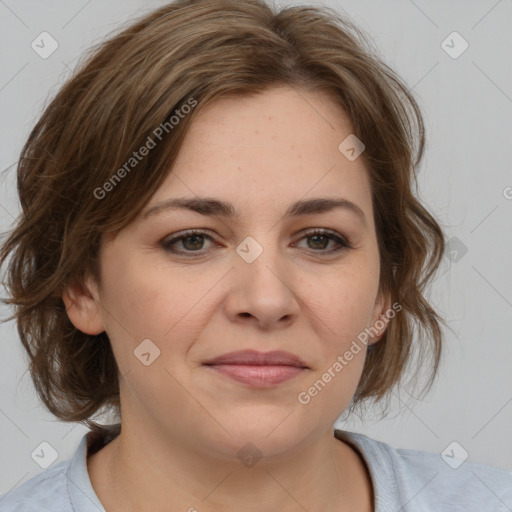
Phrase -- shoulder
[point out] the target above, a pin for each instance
(66, 487)
(419, 480)
(44, 492)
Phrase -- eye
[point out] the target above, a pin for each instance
(192, 242)
(320, 239)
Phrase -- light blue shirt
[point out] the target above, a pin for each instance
(403, 481)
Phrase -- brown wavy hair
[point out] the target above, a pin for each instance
(132, 83)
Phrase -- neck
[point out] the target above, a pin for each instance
(166, 475)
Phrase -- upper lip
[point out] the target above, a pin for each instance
(253, 357)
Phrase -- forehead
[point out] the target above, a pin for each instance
(281, 117)
(266, 150)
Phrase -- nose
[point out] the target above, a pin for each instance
(262, 286)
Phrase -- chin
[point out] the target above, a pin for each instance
(268, 435)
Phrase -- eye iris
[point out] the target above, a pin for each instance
(325, 239)
(196, 237)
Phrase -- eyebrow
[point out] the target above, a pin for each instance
(212, 206)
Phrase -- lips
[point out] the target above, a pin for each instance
(253, 357)
(258, 369)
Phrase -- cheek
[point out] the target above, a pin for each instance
(344, 304)
(346, 309)
(159, 303)
(353, 311)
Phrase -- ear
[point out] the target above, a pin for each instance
(81, 299)
(380, 317)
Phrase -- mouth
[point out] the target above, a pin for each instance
(258, 369)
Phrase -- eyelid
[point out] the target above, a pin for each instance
(334, 235)
(343, 243)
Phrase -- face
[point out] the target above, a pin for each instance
(266, 276)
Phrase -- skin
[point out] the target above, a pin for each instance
(182, 423)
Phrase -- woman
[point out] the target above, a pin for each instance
(219, 244)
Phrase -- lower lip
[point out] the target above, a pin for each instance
(258, 375)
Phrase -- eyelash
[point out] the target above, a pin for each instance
(343, 243)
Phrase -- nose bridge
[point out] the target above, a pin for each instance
(259, 254)
(262, 279)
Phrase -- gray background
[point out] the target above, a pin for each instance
(465, 179)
